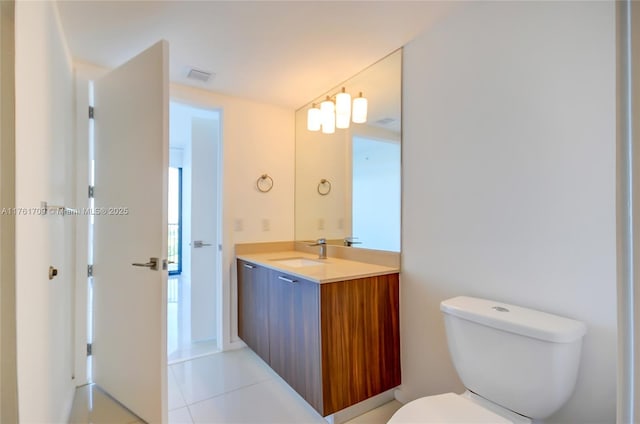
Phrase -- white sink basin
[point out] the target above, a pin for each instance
(297, 262)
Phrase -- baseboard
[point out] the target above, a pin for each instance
(358, 409)
(234, 345)
(401, 395)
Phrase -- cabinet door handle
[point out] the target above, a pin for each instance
(288, 280)
(249, 266)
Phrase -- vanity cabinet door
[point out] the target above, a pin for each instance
(360, 339)
(253, 307)
(294, 334)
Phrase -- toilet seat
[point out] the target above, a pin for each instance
(446, 408)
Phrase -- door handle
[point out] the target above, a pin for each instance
(152, 264)
(288, 280)
(199, 243)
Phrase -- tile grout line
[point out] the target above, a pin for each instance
(196, 356)
(190, 414)
(230, 391)
(175, 378)
(270, 372)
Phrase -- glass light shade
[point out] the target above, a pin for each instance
(342, 121)
(343, 109)
(313, 119)
(327, 110)
(359, 114)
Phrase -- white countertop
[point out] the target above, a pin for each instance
(327, 271)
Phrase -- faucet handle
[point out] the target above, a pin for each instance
(349, 241)
(319, 242)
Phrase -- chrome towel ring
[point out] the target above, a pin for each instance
(264, 183)
(324, 187)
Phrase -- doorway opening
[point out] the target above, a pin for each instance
(194, 214)
(194, 140)
(174, 256)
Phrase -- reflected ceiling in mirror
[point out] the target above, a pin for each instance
(348, 183)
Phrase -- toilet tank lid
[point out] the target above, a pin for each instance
(515, 319)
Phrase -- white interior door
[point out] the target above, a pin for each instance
(131, 167)
(204, 212)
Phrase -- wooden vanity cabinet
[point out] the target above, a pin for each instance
(360, 333)
(294, 336)
(336, 344)
(253, 307)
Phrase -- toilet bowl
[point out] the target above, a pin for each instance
(503, 354)
(453, 408)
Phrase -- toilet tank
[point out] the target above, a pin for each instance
(524, 360)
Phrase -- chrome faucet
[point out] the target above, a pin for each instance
(322, 242)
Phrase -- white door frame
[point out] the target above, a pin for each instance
(628, 181)
(84, 75)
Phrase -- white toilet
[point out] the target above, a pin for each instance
(517, 364)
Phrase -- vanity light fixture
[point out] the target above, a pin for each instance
(328, 116)
(343, 109)
(336, 112)
(314, 118)
(360, 109)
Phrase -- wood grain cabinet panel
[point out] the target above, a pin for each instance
(336, 344)
(294, 334)
(360, 339)
(253, 307)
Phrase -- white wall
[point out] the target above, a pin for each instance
(509, 182)
(44, 146)
(256, 139)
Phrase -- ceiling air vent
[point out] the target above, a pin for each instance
(199, 75)
(385, 121)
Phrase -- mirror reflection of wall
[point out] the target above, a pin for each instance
(375, 196)
(361, 164)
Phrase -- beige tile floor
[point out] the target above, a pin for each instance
(92, 405)
(225, 387)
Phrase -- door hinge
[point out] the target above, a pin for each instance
(92, 190)
(89, 270)
(89, 349)
(91, 112)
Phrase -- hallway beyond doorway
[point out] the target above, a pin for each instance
(180, 346)
(193, 314)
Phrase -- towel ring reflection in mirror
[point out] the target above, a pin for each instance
(324, 187)
(264, 183)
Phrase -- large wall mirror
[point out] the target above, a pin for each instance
(348, 182)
